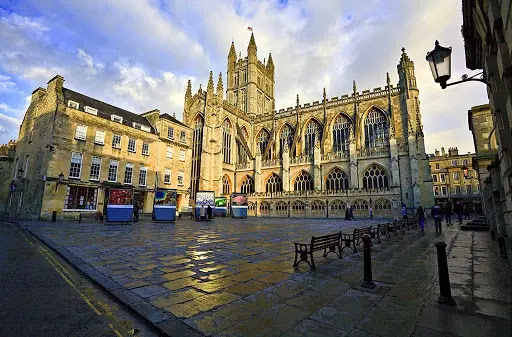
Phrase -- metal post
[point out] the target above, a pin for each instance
(80, 218)
(368, 279)
(445, 293)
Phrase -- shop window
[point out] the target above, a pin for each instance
(81, 197)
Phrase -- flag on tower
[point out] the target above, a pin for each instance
(249, 28)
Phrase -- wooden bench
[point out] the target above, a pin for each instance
(353, 240)
(400, 225)
(386, 229)
(327, 243)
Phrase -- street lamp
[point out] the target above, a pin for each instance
(440, 61)
(20, 173)
(59, 181)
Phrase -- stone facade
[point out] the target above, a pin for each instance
(93, 147)
(7, 174)
(364, 149)
(449, 183)
(487, 33)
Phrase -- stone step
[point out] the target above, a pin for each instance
(474, 227)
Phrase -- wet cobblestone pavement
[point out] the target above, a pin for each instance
(231, 277)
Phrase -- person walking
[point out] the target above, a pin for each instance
(458, 210)
(404, 212)
(202, 213)
(447, 210)
(466, 212)
(351, 214)
(371, 212)
(421, 217)
(347, 213)
(135, 213)
(436, 214)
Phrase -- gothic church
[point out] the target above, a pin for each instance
(365, 149)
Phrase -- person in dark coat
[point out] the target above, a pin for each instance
(436, 214)
(351, 213)
(347, 213)
(447, 210)
(421, 217)
(135, 213)
(209, 212)
(458, 210)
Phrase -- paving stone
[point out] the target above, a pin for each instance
(178, 275)
(247, 288)
(311, 328)
(356, 301)
(210, 301)
(180, 283)
(175, 297)
(274, 277)
(149, 291)
(215, 285)
(288, 289)
(336, 317)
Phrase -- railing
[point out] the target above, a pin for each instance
(243, 166)
(335, 155)
(317, 193)
(301, 160)
(271, 162)
(373, 151)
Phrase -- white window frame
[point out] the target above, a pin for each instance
(134, 141)
(442, 177)
(81, 132)
(437, 166)
(90, 110)
(99, 137)
(99, 169)
(181, 178)
(167, 176)
(183, 137)
(139, 126)
(143, 169)
(182, 155)
(120, 141)
(126, 167)
(73, 104)
(116, 162)
(436, 191)
(116, 118)
(145, 149)
(169, 152)
(444, 190)
(434, 178)
(170, 133)
(80, 167)
(456, 176)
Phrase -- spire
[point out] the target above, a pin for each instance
(270, 62)
(252, 50)
(325, 96)
(297, 100)
(232, 56)
(220, 88)
(232, 51)
(188, 93)
(388, 81)
(354, 87)
(419, 127)
(252, 42)
(210, 82)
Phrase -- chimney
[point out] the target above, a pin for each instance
(443, 153)
(36, 94)
(436, 153)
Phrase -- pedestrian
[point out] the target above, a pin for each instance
(436, 214)
(458, 210)
(347, 212)
(371, 212)
(466, 212)
(448, 213)
(202, 213)
(352, 213)
(404, 212)
(135, 213)
(421, 217)
(209, 212)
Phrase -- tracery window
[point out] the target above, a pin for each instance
(226, 186)
(298, 207)
(303, 182)
(336, 180)
(337, 207)
(375, 129)
(360, 204)
(274, 184)
(317, 207)
(247, 186)
(375, 177)
(241, 152)
(341, 134)
(263, 139)
(313, 131)
(226, 141)
(286, 137)
(265, 208)
(382, 204)
(281, 208)
(197, 148)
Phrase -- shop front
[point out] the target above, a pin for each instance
(120, 205)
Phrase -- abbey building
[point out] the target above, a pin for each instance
(365, 149)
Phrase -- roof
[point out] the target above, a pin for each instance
(105, 110)
(172, 119)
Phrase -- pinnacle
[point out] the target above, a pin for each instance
(189, 89)
(252, 42)
(210, 81)
(219, 82)
(232, 50)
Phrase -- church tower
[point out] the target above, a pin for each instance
(250, 82)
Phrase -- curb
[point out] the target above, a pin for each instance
(165, 324)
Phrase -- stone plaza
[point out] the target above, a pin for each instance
(232, 277)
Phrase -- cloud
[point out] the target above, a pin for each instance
(9, 126)
(6, 85)
(91, 67)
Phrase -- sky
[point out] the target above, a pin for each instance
(139, 54)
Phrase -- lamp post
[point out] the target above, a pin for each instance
(20, 173)
(440, 61)
(59, 181)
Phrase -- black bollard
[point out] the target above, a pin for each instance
(368, 278)
(54, 216)
(79, 217)
(445, 292)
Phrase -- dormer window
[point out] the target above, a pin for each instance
(73, 104)
(116, 118)
(91, 111)
(139, 126)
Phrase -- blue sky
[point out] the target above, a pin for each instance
(139, 54)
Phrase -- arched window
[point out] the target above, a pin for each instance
(197, 148)
(226, 185)
(382, 204)
(336, 180)
(317, 207)
(265, 208)
(263, 139)
(360, 204)
(341, 134)
(242, 153)
(286, 137)
(313, 131)
(375, 177)
(281, 208)
(375, 129)
(226, 141)
(337, 207)
(274, 184)
(247, 186)
(303, 182)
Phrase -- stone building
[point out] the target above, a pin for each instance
(487, 33)
(365, 149)
(7, 153)
(72, 149)
(449, 182)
